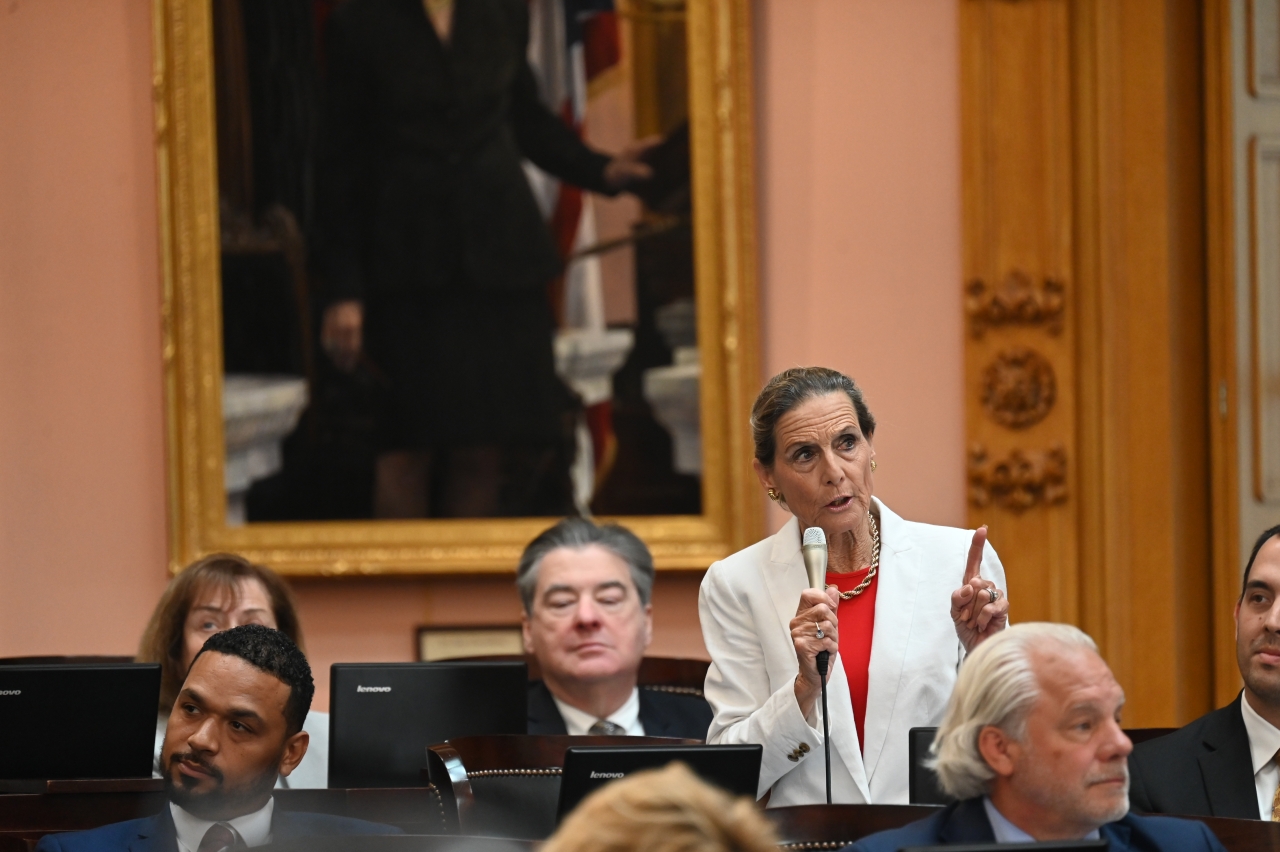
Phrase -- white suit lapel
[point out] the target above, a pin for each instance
(784, 582)
(899, 579)
(786, 579)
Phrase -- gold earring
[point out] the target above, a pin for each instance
(775, 495)
(873, 464)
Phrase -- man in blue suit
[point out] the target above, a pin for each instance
(1031, 745)
(235, 727)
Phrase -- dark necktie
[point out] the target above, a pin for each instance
(602, 728)
(219, 837)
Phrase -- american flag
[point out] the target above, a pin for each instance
(572, 42)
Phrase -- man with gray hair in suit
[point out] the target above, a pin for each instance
(1031, 746)
(588, 619)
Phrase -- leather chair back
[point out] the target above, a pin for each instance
(922, 782)
(509, 786)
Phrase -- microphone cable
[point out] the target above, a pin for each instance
(823, 659)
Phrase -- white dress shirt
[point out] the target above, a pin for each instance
(1264, 742)
(254, 829)
(1007, 832)
(578, 722)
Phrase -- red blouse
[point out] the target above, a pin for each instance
(857, 621)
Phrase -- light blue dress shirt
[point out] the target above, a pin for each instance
(1007, 832)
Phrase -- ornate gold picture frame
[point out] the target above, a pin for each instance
(721, 125)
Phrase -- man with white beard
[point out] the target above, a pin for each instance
(1031, 746)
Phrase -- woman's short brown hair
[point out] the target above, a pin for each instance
(162, 641)
(663, 810)
(790, 388)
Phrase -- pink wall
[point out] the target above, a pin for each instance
(860, 234)
(859, 150)
(82, 505)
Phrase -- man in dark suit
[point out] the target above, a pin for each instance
(1224, 763)
(1031, 746)
(588, 620)
(235, 727)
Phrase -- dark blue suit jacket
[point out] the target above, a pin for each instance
(966, 822)
(663, 714)
(157, 834)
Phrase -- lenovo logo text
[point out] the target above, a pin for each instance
(10, 691)
(595, 774)
(372, 688)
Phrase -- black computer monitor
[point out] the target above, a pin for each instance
(735, 768)
(383, 716)
(78, 720)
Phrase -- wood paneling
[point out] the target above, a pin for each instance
(1084, 176)
(1264, 256)
(1220, 245)
(1018, 261)
(1264, 48)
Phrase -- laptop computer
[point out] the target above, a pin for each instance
(78, 720)
(383, 716)
(735, 768)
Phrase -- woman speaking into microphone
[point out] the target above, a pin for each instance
(903, 603)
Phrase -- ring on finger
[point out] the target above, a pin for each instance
(994, 592)
(818, 625)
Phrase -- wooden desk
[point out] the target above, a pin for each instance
(834, 826)
(80, 805)
(810, 827)
(1245, 835)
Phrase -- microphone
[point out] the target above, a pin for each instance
(814, 550)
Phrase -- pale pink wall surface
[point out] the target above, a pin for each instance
(860, 235)
(82, 486)
(859, 193)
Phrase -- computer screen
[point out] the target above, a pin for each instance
(735, 768)
(383, 716)
(78, 720)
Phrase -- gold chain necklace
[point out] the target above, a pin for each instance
(875, 562)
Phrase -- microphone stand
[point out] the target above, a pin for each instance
(813, 550)
(823, 658)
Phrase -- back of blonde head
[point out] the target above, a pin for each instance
(996, 686)
(663, 810)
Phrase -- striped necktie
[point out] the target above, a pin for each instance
(219, 837)
(606, 728)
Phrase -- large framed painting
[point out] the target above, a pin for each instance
(438, 272)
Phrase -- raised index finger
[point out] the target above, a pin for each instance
(975, 553)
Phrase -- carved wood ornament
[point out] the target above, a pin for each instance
(1025, 479)
(1018, 388)
(1014, 301)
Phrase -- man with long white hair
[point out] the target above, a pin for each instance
(1031, 746)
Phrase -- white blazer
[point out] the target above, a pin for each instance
(746, 605)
